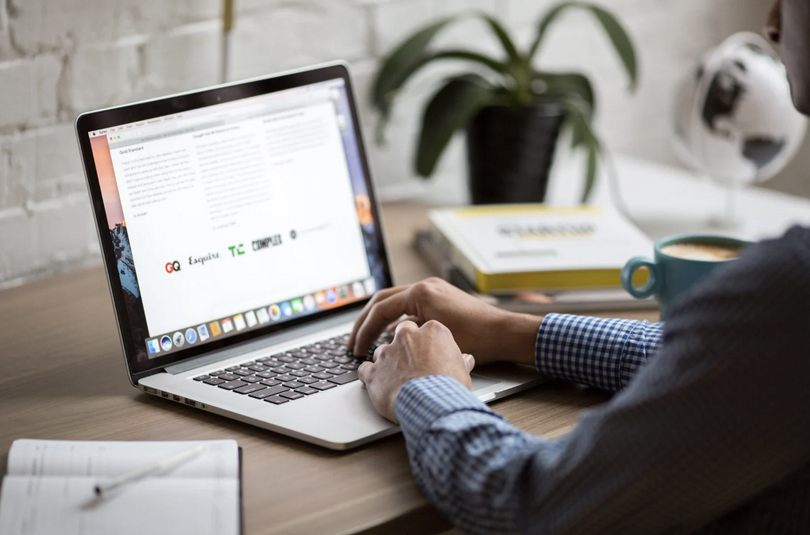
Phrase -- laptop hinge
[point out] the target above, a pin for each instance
(273, 339)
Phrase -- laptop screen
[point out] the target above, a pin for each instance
(230, 220)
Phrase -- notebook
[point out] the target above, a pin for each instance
(49, 489)
(241, 238)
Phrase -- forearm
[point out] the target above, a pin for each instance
(468, 460)
(599, 352)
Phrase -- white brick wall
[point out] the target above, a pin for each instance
(61, 57)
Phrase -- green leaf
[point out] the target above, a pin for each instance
(402, 63)
(614, 30)
(580, 122)
(503, 37)
(590, 171)
(621, 42)
(550, 16)
(493, 64)
(562, 86)
(451, 108)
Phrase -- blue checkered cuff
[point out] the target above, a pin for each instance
(424, 400)
(599, 352)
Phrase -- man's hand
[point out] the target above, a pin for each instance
(414, 352)
(489, 333)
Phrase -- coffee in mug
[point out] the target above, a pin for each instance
(701, 251)
(680, 262)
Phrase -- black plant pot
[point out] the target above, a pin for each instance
(510, 151)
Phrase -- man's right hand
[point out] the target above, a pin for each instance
(488, 333)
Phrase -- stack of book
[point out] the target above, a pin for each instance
(536, 258)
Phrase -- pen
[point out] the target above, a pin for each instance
(109, 485)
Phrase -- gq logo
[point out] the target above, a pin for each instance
(172, 266)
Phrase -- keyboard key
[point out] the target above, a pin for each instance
(299, 373)
(242, 372)
(307, 380)
(309, 361)
(340, 352)
(300, 353)
(313, 369)
(201, 378)
(232, 385)
(228, 376)
(280, 369)
(232, 368)
(261, 394)
(270, 382)
(214, 374)
(276, 400)
(295, 366)
(322, 375)
(343, 379)
(248, 363)
(328, 365)
(291, 395)
(293, 384)
(284, 378)
(263, 359)
(307, 390)
(214, 381)
(258, 368)
(342, 360)
(353, 365)
(324, 357)
(248, 389)
(251, 379)
(323, 385)
(286, 358)
(273, 390)
(266, 375)
(315, 349)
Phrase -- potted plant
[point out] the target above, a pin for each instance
(512, 112)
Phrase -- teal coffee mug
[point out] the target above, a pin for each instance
(680, 262)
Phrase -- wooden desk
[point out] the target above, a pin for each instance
(64, 378)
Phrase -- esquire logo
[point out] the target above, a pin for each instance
(201, 260)
(171, 267)
(265, 243)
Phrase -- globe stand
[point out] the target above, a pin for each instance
(730, 218)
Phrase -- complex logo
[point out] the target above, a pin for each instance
(265, 243)
(172, 266)
(237, 250)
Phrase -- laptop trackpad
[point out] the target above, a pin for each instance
(479, 382)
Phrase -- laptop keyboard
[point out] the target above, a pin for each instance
(292, 374)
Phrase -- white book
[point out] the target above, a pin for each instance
(505, 248)
(49, 489)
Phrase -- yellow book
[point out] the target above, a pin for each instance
(505, 248)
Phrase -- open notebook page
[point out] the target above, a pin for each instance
(50, 489)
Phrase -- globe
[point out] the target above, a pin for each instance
(734, 119)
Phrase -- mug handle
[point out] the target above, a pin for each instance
(629, 269)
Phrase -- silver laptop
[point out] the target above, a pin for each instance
(241, 238)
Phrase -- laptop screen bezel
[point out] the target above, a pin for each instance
(141, 111)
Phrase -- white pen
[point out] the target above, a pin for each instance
(107, 486)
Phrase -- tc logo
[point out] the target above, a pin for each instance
(237, 250)
(172, 266)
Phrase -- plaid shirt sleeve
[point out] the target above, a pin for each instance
(462, 454)
(599, 352)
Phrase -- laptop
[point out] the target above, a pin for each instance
(241, 237)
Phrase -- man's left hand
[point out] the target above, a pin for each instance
(414, 352)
